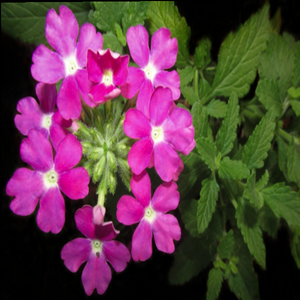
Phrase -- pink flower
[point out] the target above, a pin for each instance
(168, 129)
(68, 61)
(107, 69)
(152, 64)
(42, 117)
(96, 249)
(151, 215)
(47, 180)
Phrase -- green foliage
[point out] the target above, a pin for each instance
(111, 41)
(232, 169)
(200, 120)
(189, 94)
(226, 245)
(202, 53)
(214, 284)
(188, 209)
(165, 14)
(216, 108)
(207, 150)
(26, 21)
(296, 71)
(268, 221)
(293, 162)
(186, 75)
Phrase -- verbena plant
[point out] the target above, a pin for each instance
(121, 115)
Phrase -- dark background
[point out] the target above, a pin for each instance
(31, 266)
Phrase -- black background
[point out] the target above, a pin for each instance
(31, 266)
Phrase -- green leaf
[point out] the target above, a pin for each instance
(26, 21)
(216, 108)
(202, 53)
(214, 283)
(111, 41)
(204, 87)
(293, 162)
(296, 71)
(186, 75)
(250, 192)
(135, 14)
(263, 181)
(227, 132)
(252, 234)
(276, 21)
(165, 14)
(240, 55)
(207, 203)
(277, 64)
(200, 120)
(294, 93)
(282, 155)
(189, 94)
(284, 202)
(233, 169)
(226, 245)
(296, 107)
(207, 150)
(188, 210)
(120, 35)
(107, 14)
(268, 221)
(268, 95)
(257, 147)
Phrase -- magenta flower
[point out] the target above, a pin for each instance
(43, 117)
(151, 215)
(47, 180)
(168, 129)
(69, 60)
(152, 64)
(107, 69)
(96, 249)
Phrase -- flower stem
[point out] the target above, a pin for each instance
(108, 109)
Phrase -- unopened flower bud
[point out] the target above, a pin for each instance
(98, 214)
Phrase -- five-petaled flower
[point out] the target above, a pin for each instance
(97, 248)
(69, 60)
(151, 215)
(47, 180)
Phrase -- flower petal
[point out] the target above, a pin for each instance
(166, 197)
(84, 221)
(178, 171)
(106, 231)
(27, 187)
(68, 154)
(96, 275)
(36, 150)
(139, 155)
(31, 115)
(141, 188)
(142, 242)
(94, 70)
(88, 39)
(165, 230)
(61, 31)
(51, 214)
(166, 161)
(116, 254)
(101, 93)
(169, 80)
(136, 125)
(138, 43)
(57, 134)
(163, 49)
(74, 183)
(134, 81)
(120, 70)
(160, 104)
(129, 210)
(189, 148)
(143, 99)
(75, 253)
(48, 66)
(68, 99)
(47, 95)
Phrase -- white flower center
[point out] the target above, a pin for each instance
(71, 65)
(97, 247)
(150, 72)
(149, 214)
(107, 77)
(157, 134)
(50, 179)
(47, 121)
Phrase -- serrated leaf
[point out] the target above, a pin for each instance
(226, 245)
(268, 221)
(263, 181)
(120, 35)
(107, 14)
(276, 21)
(204, 87)
(188, 210)
(202, 53)
(135, 14)
(207, 203)
(252, 234)
(214, 283)
(282, 155)
(239, 56)
(284, 202)
(233, 169)
(250, 192)
(111, 41)
(227, 132)
(296, 107)
(26, 21)
(186, 75)
(165, 14)
(259, 143)
(207, 150)
(189, 94)
(293, 162)
(296, 71)
(294, 93)
(277, 64)
(200, 120)
(216, 108)
(268, 95)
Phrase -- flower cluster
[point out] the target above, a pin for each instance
(91, 78)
